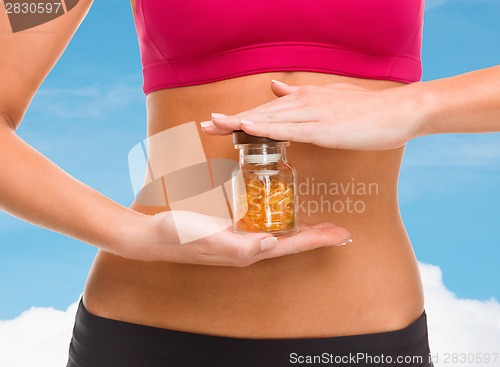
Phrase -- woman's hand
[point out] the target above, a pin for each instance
(331, 116)
(189, 237)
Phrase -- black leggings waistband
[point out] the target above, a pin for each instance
(102, 342)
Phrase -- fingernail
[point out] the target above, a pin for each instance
(248, 123)
(268, 243)
(205, 124)
(345, 243)
(219, 116)
(278, 82)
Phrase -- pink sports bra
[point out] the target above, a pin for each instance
(189, 42)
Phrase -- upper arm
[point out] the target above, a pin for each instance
(26, 57)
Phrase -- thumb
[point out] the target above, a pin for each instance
(281, 89)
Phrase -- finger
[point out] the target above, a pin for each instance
(291, 100)
(225, 123)
(248, 245)
(312, 238)
(281, 89)
(284, 109)
(290, 115)
(309, 239)
(210, 128)
(236, 246)
(299, 132)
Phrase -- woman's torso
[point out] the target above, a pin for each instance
(370, 285)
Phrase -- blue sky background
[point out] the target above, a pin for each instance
(90, 112)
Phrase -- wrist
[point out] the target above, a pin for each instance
(144, 237)
(126, 231)
(423, 102)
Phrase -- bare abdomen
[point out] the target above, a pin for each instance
(370, 285)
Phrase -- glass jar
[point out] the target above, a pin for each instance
(264, 187)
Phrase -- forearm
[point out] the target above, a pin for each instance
(34, 189)
(467, 103)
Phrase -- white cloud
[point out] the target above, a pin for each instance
(40, 336)
(459, 325)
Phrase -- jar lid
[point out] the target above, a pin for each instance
(263, 158)
(241, 137)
